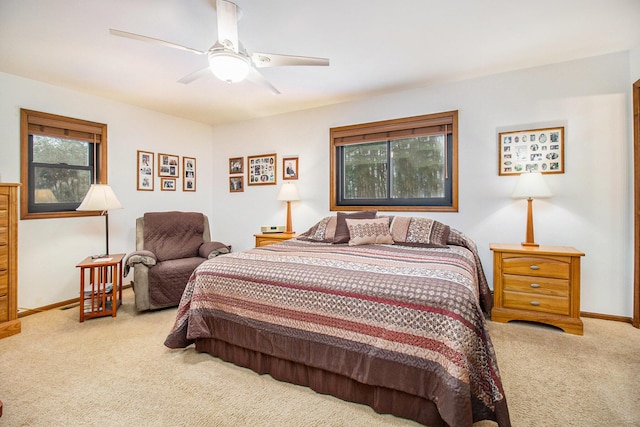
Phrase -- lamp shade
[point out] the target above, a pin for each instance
(288, 193)
(100, 197)
(229, 67)
(531, 185)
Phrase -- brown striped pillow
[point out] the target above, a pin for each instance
(322, 231)
(342, 231)
(414, 231)
(369, 231)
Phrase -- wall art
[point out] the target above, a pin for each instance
(290, 168)
(535, 150)
(236, 184)
(236, 165)
(168, 184)
(189, 173)
(145, 171)
(261, 170)
(168, 165)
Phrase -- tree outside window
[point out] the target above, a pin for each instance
(405, 164)
(61, 158)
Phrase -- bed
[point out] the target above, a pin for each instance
(398, 326)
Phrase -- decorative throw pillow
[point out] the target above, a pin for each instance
(416, 231)
(342, 231)
(322, 231)
(369, 231)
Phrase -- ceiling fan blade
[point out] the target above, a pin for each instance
(227, 19)
(195, 75)
(276, 60)
(152, 40)
(256, 77)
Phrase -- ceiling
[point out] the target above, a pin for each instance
(375, 46)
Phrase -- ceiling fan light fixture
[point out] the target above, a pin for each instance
(228, 66)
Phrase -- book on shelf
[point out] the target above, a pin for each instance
(107, 288)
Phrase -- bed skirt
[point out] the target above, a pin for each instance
(380, 399)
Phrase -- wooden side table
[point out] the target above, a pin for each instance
(264, 239)
(538, 284)
(100, 286)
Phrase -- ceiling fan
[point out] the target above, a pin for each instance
(228, 59)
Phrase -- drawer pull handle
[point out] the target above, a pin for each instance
(534, 267)
(535, 285)
(536, 303)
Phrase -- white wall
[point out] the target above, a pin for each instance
(590, 209)
(49, 249)
(591, 202)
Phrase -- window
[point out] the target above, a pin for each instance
(61, 158)
(408, 164)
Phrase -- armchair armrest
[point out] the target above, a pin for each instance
(213, 249)
(147, 258)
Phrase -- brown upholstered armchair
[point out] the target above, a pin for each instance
(169, 246)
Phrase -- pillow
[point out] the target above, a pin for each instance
(414, 231)
(342, 231)
(322, 231)
(369, 231)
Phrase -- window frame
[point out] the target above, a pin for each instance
(62, 127)
(395, 129)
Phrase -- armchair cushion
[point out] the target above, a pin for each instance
(173, 235)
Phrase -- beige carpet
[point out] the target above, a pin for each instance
(116, 372)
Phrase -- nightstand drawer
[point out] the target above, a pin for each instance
(557, 267)
(536, 285)
(535, 302)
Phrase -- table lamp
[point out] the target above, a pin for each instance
(288, 193)
(100, 197)
(530, 185)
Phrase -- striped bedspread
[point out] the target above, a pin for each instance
(406, 318)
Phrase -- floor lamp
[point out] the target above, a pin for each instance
(100, 197)
(288, 193)
(530, 185)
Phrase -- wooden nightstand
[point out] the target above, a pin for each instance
(264, 239)
(539, 284)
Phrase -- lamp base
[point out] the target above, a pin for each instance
(535, 245)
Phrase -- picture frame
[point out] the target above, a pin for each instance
(168, 165)
(168, 184)
(262, 169)
(145, 171)
(236, 165)
(188, 173)
(532, 150)
(236, 184)
(289, 168)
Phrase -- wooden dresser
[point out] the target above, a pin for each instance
(9, 323)
(539, 284)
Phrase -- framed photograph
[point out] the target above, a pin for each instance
(189, 173)
(262, 169)
(536, 150)
(145, 171)
(290, 168)
(236, 165)
(236, 184)
(168, 184)
(168, 165)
